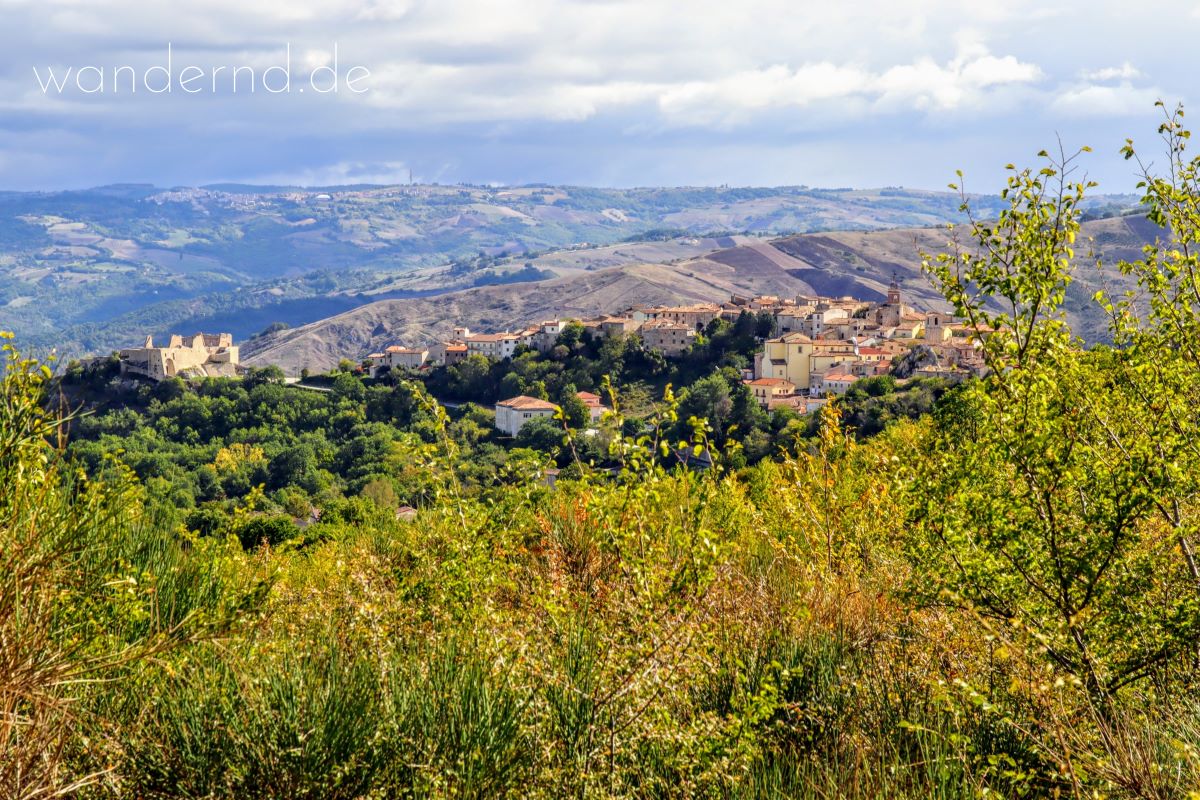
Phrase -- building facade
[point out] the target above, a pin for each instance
(512, 414)
(198, 356)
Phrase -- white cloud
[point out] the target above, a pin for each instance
(1097, 100)
(923, 85)
(1124, 72)
(466, 73)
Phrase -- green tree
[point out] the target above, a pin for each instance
(1034, 512)
(574, 411)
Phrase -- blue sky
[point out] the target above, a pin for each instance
(594, 92)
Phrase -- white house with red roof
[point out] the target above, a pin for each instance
(512, 414)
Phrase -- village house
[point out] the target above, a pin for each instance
(828, 352)
(791, 320)
(668, 337)
(909, 329)
(454, 352)
(834, 382)
(801, 404)
(788, 357)
(199, 356)
(695, 317)
(816, 323)
(595, 406)
(396, 356)
(493, 345)
(512, 414)
(766, 390)
(547, 335)
(614, 326)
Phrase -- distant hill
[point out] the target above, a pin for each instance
(86, 271)
(861, 264)
(353, 334)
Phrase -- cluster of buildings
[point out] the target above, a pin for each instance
(669, 329)
(204, 355)
(823, 345)
(826, 344)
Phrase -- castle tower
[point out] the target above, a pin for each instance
(893, 292)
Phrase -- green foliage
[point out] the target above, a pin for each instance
(996, 599)
(1034, 495)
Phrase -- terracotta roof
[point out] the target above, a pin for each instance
(408, 350)
(840, 376)
(491, 337)
(527, 403)
(588, 397)
(794, 338)
(455, 347)
(770, 382)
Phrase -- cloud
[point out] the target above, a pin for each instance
(1098, 100)
(923, 84)
(1124, 72)
(339, 174)
(632, 81)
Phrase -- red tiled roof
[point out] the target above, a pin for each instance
(527, 403)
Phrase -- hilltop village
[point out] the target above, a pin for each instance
(819, 348)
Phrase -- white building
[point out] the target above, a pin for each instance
(835, 381)
(493, 345)
(512, 414)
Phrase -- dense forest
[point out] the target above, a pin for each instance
(995, 594)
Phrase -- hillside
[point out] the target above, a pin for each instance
(858, 263)
(86, 271)
(353, 334)
(863, 263)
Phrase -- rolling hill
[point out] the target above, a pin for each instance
(87, 271)
(836, 263)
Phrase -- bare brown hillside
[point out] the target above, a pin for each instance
(862, 264)
(353, 334)
(855, 263)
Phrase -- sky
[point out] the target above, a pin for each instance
(584, 92)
